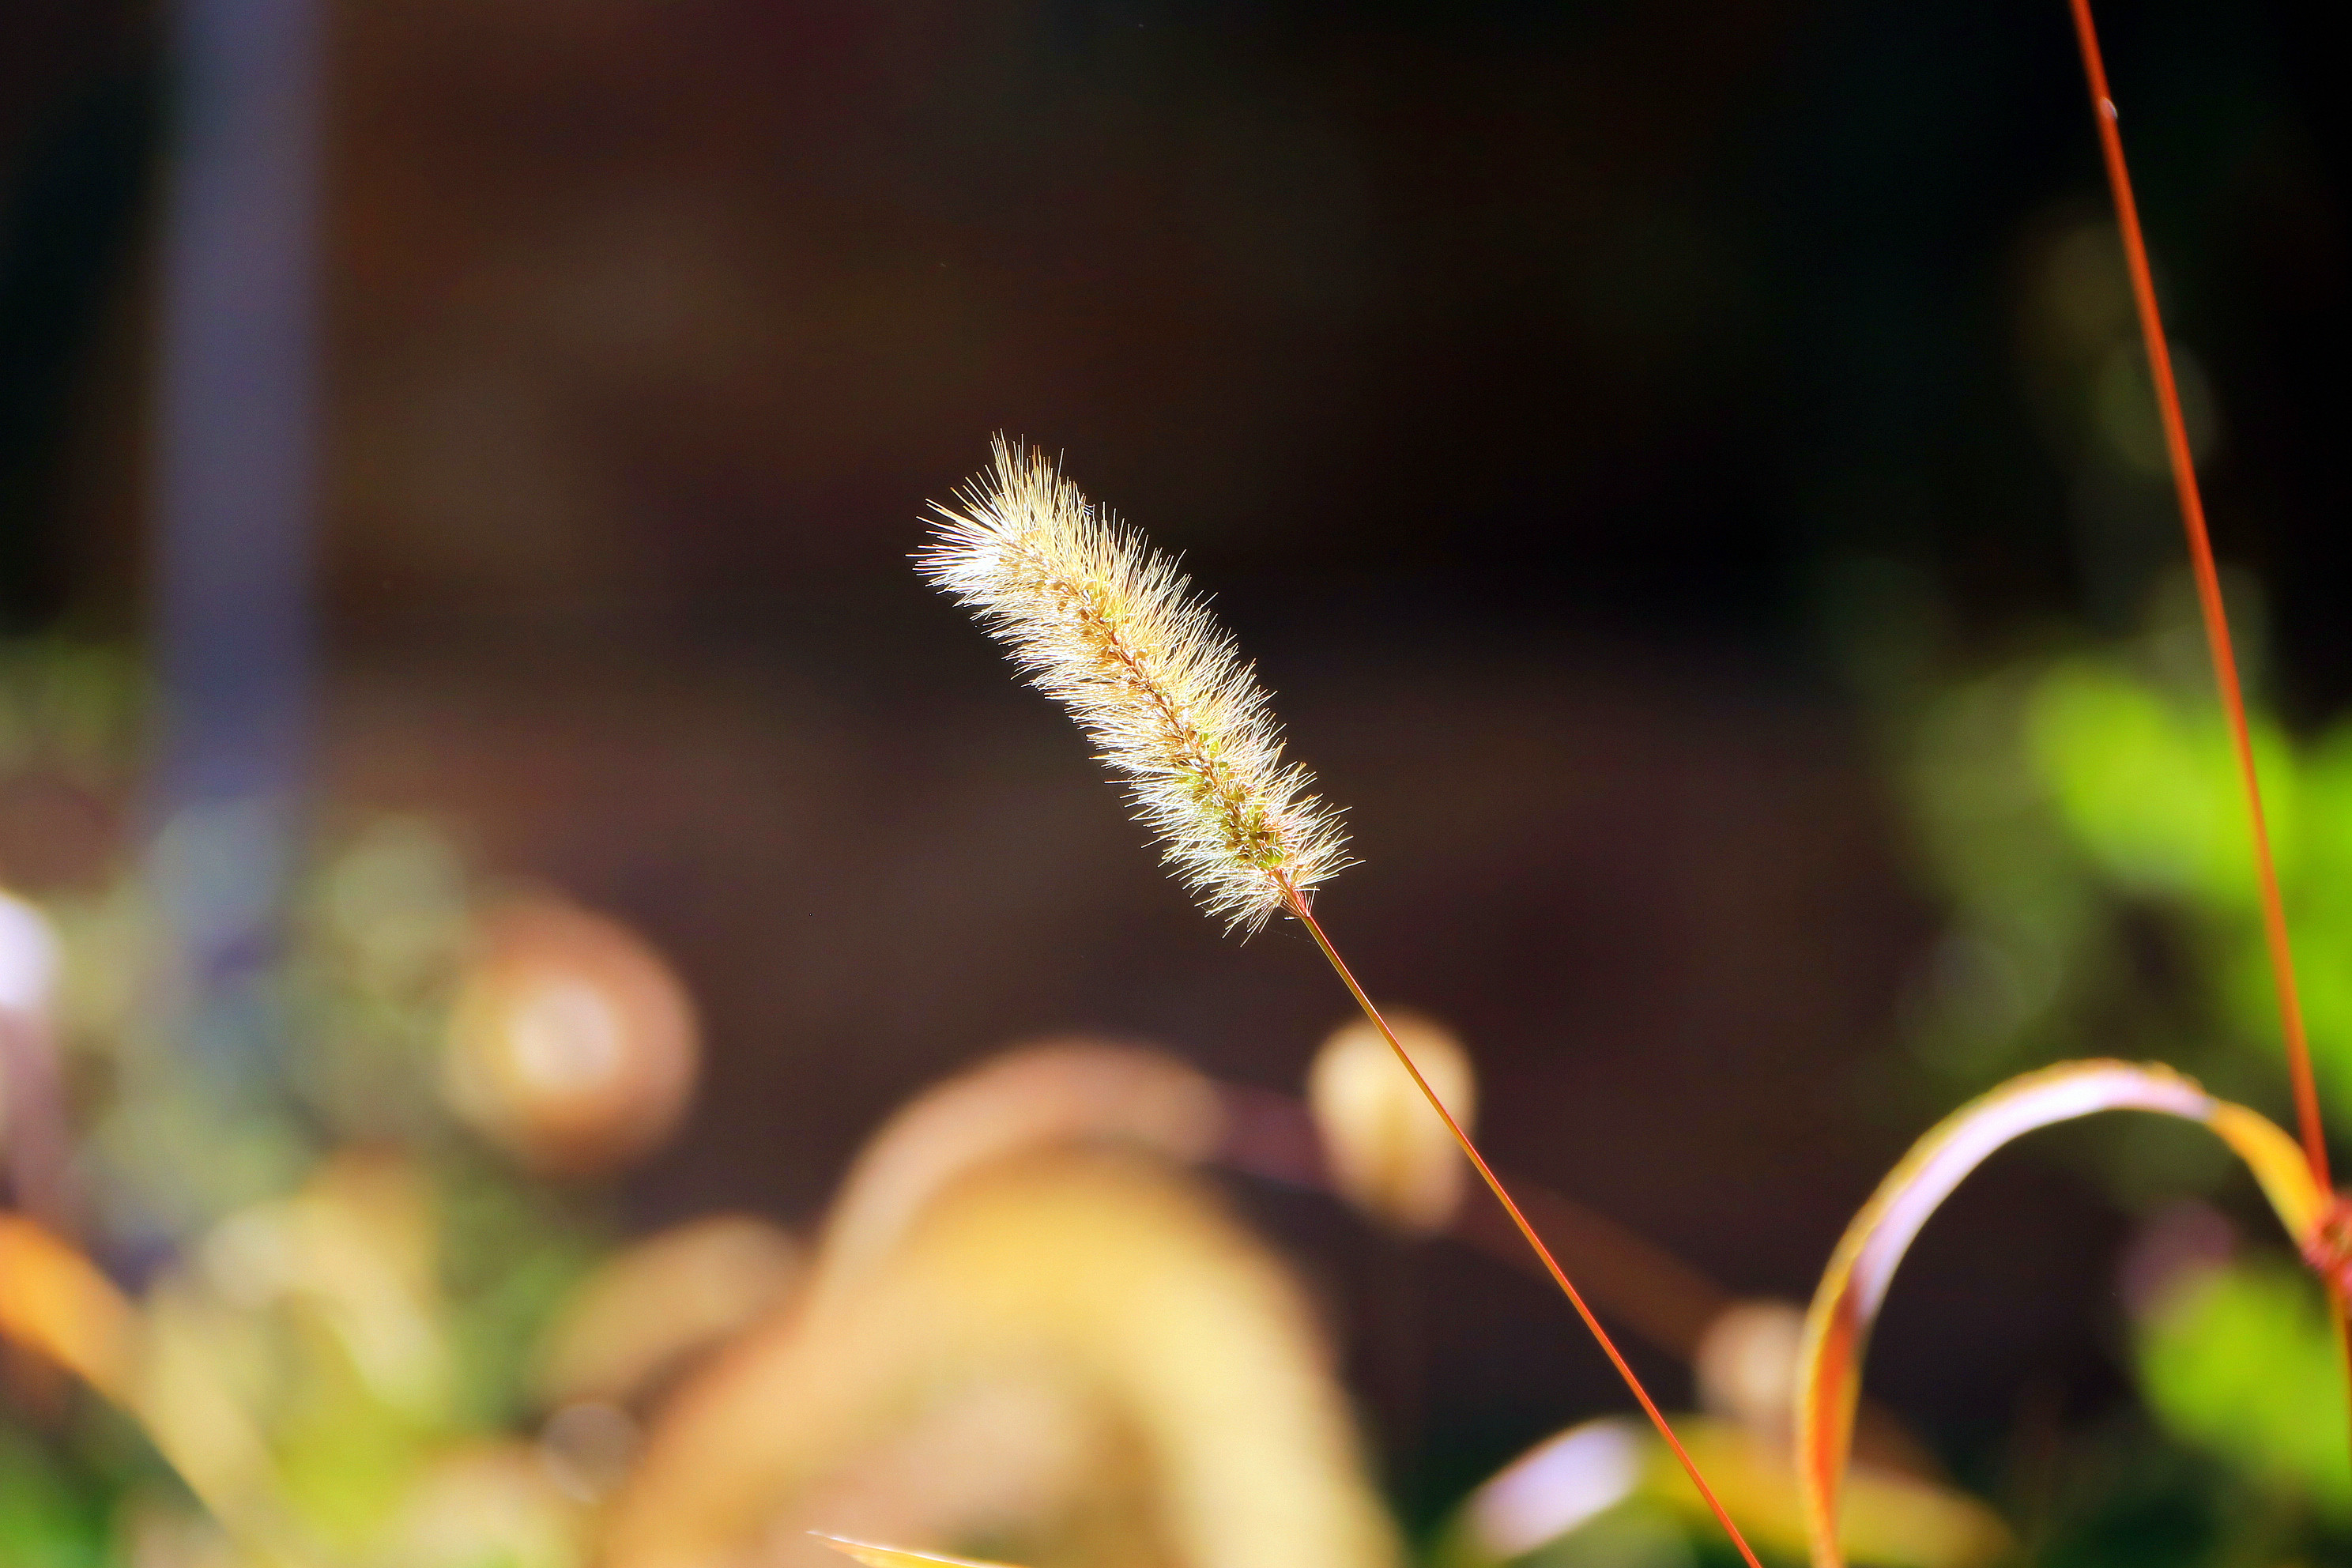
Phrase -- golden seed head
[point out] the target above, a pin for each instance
(1106, 626)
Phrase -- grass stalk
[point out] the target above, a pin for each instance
(1298, 907)
(1108, 627)
(2216, 636)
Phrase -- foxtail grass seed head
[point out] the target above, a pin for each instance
(1108, 626)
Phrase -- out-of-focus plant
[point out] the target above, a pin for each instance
(1025, 1323)
(875, 1556)
(1854, 1286)
(2085, 810)
(1061, 1347)
(572, 1044)
(2081, 813)
(1027, 1319)
(377, 1333)
(1387, 1155)
(344, 1286)
(641, 1316)
(1580, 1494)
(2213, 1351)
(2060, 801)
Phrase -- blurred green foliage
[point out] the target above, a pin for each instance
(48, 1517)
(2081, 817)
(291, 1240)
(2241, 1362)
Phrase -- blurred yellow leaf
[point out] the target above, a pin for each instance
(875, 1556)
(1568, 1481)
(1169, 1349)
(54, 1299)
(1052, 1094)
(646, 1311)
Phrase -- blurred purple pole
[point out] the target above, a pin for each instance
(235, 472)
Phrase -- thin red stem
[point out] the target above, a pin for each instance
(1305, 917)
(2217, 635)
(2209, 594)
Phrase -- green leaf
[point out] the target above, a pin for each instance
(2240, 1361)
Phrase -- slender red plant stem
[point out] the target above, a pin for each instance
(1305, 917)
(2217, 635)
(2209, 594)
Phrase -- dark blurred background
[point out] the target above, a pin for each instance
(1539, 388)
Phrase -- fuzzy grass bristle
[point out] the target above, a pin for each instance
(1108, 626)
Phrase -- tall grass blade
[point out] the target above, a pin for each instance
(1854, 1285)
(2216, 636)
(2208, 588)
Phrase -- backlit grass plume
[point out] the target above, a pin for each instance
(1104, 624)
(1108, 627)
